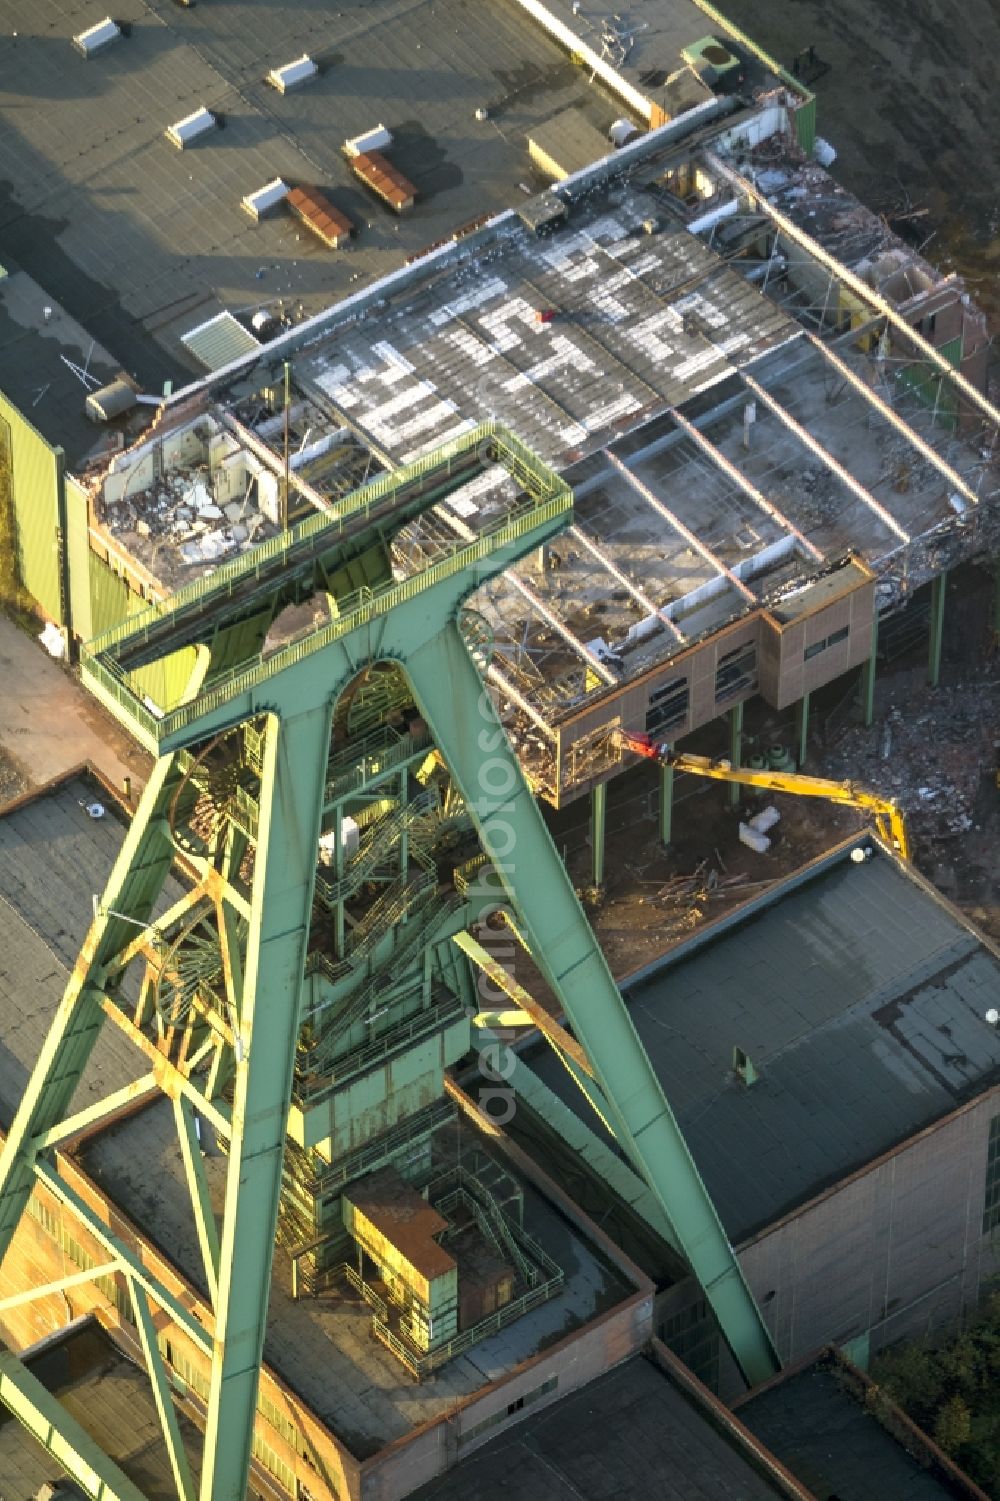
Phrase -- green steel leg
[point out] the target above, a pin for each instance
(735, 750)
(801, 729)
(450, 697)
(291, 808)
(339, 866)
(939, 588)
(666, 803)
(598, 829)
(161, 1393)
(868, 679)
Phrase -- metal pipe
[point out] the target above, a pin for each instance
(939, 589)
(735, 749)
(598, 826)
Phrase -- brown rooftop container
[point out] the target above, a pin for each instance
(317, 213)
(378, 173)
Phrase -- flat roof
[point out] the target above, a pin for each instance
(112, 1401)
(39, 343)
(818, 1423)
(52, 858)
(631, 1434)
(141, 240)
(858, 995)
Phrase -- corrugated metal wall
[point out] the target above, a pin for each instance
(36, 479)
(100, 598)
(78, 560)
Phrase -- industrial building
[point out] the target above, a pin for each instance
(629, 441)
(828, 1055)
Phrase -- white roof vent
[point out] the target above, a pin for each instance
(292, 75)
(266, 198)
(378, 139)
(97, 37)
(191, 127)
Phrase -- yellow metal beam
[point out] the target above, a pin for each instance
(536, 1014)
(889, 817)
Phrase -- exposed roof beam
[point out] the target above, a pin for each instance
(562, 629)
(572, 641)
(860, 288)
(506, 687)
(579, 535)
(846, 478)
(689, 537)
(912, 436)
(739, 478)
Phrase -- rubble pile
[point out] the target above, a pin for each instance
(932, 758)
(178, 518)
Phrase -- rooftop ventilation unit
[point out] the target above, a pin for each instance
(96, 38)
(712, 61)
(378, 139)
(266, 199)
(219, 341)
(293, 75)
(191, 127)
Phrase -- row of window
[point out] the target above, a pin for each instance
(183, 1374)
(735, 675)
(831, 640)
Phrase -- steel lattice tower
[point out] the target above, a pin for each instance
(244, 784)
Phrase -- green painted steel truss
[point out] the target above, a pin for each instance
(240, 935)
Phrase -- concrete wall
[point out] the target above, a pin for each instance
(895, 1251)
(568, 1365)
(786, 673)
(32, 497)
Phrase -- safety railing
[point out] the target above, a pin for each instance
(433, 1019)
(381, 839)
(503, 448)
(356, 612)
(344, 1013)
(372, 759)
(422, 1363)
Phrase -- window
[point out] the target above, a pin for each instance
(991, 1207)
(831, 640)
(503, 1414)
(668, 706)
(736, 672)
